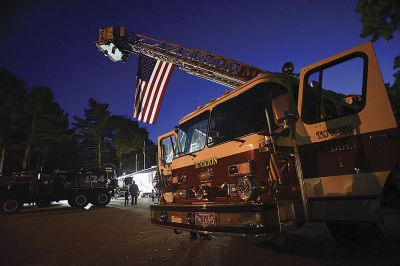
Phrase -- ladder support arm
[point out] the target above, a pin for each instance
(119, 46)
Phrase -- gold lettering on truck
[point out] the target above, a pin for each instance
(205, 163)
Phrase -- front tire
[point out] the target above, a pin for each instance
(101, 199)
(79, 201)
(10, 205)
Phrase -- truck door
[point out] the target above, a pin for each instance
(347, 136)
(167, 150)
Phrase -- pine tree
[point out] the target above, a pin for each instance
(46, 125)
(94, 133)
(12, 95)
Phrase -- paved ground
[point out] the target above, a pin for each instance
(119, 235)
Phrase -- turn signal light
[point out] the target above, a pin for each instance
(241, 169)
(206, 176)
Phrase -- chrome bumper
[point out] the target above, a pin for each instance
(230, 219)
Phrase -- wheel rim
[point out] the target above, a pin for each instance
(10, 205)
(80, 200)
(102, 198)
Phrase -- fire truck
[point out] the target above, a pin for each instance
(279, 149)
(79, 187)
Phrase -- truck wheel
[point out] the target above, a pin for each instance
(80, 201)
(10, 205)
(101, 199)
(43, 203)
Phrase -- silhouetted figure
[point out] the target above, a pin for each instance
(126, 197)
(134, 190)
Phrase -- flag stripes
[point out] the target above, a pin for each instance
(152, 80)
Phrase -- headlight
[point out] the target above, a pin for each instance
(245, 188)
(180, 194)
(169, 197)
(182, 179)
(199, 193)
(206, 176)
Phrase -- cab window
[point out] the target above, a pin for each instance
(334, 90)
(243, 114)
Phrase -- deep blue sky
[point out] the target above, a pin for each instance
(52, 43)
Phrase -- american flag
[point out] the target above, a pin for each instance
(151, 81)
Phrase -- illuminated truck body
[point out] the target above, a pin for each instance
(282, 150)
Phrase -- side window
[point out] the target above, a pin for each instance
(334, 90)
(168, 149)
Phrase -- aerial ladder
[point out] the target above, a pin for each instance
(118, 45)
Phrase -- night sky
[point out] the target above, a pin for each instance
(51, 43)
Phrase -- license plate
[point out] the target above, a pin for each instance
(205, 219)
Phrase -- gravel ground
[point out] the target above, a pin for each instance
(119, 235)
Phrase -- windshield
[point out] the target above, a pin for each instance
(192, 134)
(243, 114)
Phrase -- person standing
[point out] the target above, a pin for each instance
(126, 197)
(152, 195)
(134, 190)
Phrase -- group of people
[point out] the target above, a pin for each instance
(133, 191)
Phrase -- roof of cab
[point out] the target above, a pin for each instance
(230, 94)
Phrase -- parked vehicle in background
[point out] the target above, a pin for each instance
(79, 187)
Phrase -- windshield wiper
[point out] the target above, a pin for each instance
(238, 140)
(235, 139)
(190, 154)
(225, 138)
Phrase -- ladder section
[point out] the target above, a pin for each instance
(119, 46)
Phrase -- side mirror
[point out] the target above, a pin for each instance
(213, 136)
(176, 129)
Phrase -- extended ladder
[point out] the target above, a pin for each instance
(119, 46)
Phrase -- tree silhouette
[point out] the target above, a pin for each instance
(127, 138)
(12, 95)
(94, 133)
(381, 19)
(46, 124)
